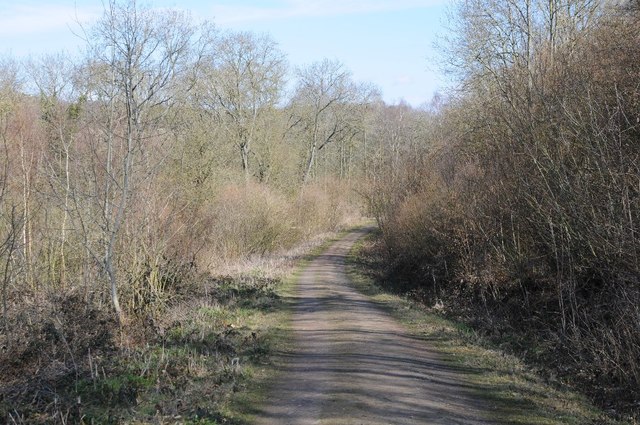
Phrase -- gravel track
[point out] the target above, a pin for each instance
(354, 364)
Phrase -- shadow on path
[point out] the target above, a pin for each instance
(354, 364)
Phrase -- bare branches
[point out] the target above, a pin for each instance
(243, 80)
(531, 195)
(141, 53)
(325, 105)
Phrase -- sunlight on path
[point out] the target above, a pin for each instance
(355, 365)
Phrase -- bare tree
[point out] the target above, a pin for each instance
(136, 54)
(323, 107)
(244, 79)
(60, 103)
(10, 223)
(493, 41)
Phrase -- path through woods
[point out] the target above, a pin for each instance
(354, 364)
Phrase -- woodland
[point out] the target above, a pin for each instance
(133, 176)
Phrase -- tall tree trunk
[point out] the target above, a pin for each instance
(244, 155)
(312, 152)
(26, 213)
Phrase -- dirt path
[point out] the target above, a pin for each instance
(354, 364)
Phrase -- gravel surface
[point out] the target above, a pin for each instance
(354, 364)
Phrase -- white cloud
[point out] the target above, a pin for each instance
(19, 20)
(285, 9)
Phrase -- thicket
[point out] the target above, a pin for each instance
(524, 215)
(132, 173)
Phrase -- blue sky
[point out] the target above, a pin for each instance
(386, 42)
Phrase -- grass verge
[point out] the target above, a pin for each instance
(514, 393)
(207, 358)
(243, 406)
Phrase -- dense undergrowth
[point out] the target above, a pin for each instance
(133, 176)
(514, 389)
(70, 361)
(79, 366)
(505, 324)
(522, 216)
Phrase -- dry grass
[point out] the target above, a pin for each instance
(200, 360)
(514, 391)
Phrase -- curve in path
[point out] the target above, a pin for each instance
(354, 364)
